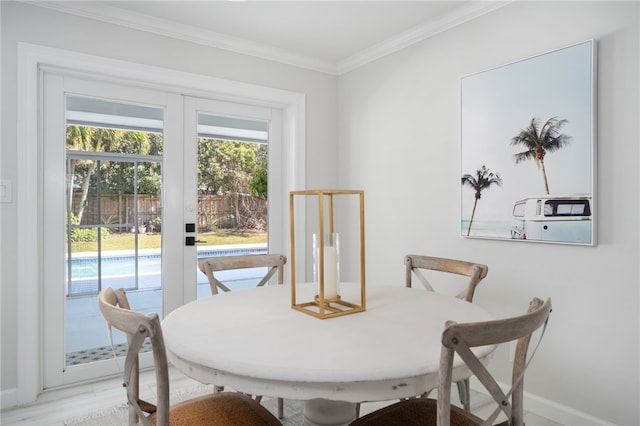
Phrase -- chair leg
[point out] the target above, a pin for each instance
(280, 402)
(280, 408)
(463, 393)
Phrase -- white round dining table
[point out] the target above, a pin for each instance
(252, 341)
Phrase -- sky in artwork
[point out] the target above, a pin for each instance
(498, 103)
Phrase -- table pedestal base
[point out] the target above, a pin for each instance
(324, 412)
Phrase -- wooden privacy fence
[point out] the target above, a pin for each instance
(235, 211)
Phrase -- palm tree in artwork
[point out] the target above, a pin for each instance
(483, 179)
(538, 141)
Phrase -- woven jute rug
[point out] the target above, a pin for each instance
(118, 415)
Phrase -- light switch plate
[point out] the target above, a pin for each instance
(6, 195)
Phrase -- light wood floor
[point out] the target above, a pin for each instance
(54, 407)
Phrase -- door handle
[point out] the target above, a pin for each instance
(191, 241)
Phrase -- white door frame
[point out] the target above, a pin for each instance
(31, 60)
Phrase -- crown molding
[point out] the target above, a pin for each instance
(416, 34)
(142, 22)
(138, 21)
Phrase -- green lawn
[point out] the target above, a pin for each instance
(149, 241)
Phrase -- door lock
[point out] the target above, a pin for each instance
(191, 241)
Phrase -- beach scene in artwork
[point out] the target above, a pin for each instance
(527, 134)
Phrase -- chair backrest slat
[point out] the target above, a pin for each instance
(476, 272)
(274, 263)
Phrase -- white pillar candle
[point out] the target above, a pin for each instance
(330, 272)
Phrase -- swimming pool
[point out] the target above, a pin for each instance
(119, 269)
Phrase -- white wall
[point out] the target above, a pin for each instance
(399, 121)
(29, 24)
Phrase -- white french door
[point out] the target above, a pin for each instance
(70, 312)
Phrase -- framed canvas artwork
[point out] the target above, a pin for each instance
(528, 149)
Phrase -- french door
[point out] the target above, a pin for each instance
(121, 162)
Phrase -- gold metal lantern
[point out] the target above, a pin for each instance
(329, 299)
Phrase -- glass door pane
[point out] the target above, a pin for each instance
(113, 219)
(233, 164)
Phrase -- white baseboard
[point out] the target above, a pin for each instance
(8, 398)
(548, 409)
(560, 413)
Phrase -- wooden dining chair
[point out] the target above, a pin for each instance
(226, 408)
(460, 339)
(476, 272)
(274, 264)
